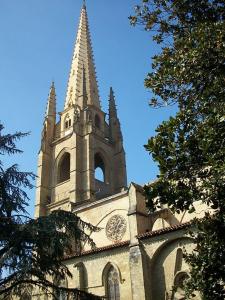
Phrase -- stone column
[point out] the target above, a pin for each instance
(137, 256)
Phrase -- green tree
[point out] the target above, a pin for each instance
(189, 72)
(32, 250)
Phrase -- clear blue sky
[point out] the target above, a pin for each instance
(36, 44)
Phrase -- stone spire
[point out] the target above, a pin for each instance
(114, 123)
(47, 134)
(112, 105)
(51, 104)
(82, 62)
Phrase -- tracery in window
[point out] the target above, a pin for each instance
(68, 122)
(113, 289)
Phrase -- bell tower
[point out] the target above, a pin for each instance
(82, 141)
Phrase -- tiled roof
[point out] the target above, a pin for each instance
(100, 249)
(126, 243)
(163, 230)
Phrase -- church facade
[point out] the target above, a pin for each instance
(138, 255)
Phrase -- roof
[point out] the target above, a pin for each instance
(138, 187)
(163, 230)
(127, 243)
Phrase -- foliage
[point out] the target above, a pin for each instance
(190, 147)
(32, 250)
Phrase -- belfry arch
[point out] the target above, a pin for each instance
(63, 168)
(99, 164)
(101, 175)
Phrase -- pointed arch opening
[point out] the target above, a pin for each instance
(178, 289)
(99, 168)
(101, 174)
(111, 278)
(83, 278)
(64, 168)
(67, 122)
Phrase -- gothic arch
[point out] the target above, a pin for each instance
(178, 285)
(164, 260)
(111, 279)
(63, 170)
(101, 160)
(99, 164)
(179, 277)
(83, 276)
(110, 213)
(167, 243)
(62, 166)
(160, 221)
(106, 270)
(67, 122)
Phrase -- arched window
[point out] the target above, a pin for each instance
(112, 284)
(67, 122)
(64, 168)
(97, 122)
(179, 286)
(82, 276)
(99, 168)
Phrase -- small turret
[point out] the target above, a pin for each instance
(116, 138)
(51, 104)
(115, 133)
(50, 120)
(112, 105)
(43, 190)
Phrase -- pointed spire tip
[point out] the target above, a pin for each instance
(82, 62)
(111, 93)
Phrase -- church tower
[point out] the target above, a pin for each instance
(82, 141)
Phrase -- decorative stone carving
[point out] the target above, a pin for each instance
(89, 116)
(43, 138)
(76, 114)
(116, 228)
